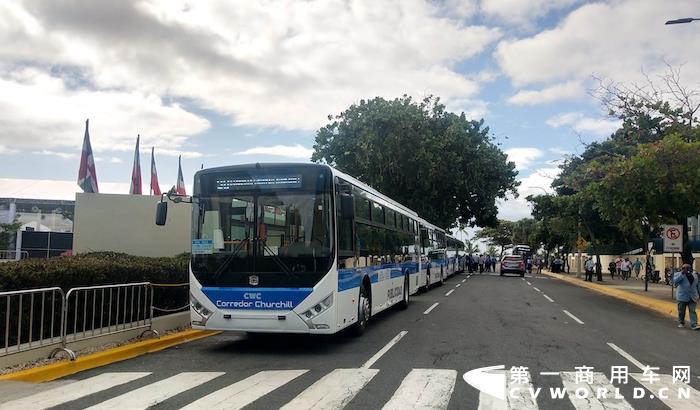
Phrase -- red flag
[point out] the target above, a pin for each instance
(180, 189)
(87, 177)
(155, 187)
(136, 171)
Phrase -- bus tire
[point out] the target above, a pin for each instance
(442, 277)
(363, 312)
(403, 305)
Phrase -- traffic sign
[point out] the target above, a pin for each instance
(673, 238)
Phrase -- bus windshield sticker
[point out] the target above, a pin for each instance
(202, 246)
(273, 182)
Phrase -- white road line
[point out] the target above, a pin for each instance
(548, 298)
(246, 391)
(671, 393)
(464, 280)
(580, 322)
(430, 309)
(154, 393)
(424, 389)
(528, 283)
(384, 349)
(72, 391)
(449, 292)
(522, 400)
(549, 373)
(536, 289)
(592, 399)
(332, 391)
(627, 356)
(458, 285)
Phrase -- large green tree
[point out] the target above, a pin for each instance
(441, 164)
(500, 235)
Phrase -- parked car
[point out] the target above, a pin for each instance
(513, 264)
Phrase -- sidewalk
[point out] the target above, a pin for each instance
(657, 298)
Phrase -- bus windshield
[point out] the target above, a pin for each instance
(282, 238)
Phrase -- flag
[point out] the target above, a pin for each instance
(180, 189)
(87, 178)
(155, 187)
(136, 171)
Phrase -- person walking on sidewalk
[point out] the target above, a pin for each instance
(589, 266)
(637, 268)
(612, 267)
(687, 295)
(626, 268)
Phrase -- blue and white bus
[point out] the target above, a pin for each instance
(302, 248)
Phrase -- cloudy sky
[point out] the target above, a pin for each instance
(224, 82)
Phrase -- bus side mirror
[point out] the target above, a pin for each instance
(347, 207)
(161, 213)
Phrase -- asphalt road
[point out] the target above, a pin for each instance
(418, 358)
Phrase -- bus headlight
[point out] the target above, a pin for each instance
(317, 309)
(201, 311)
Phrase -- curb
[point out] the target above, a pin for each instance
(64, 368)
(659, 306)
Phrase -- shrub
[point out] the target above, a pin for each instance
(99, 268)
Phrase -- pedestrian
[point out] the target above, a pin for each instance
(589, 266)
(598, 270)
(540, 264)
(687, 295)
(618, 265)
(612, 268)
(626, 268)
(481, 263)
(528, 265)
(637, 268)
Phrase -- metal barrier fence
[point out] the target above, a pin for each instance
(32, 318)
(94, 311)
(13, 255)
(46, 317)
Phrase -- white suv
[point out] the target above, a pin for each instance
(513, 264)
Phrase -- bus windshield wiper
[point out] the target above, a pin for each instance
(229, 259)
(278, 261)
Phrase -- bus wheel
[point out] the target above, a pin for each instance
(363, 312)
(442, 277)
(403, 305)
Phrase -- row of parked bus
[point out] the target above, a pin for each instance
(305, 248)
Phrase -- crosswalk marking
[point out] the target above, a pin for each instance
(332, 391)
(672, 398)
(244, 392)
(519, 398)
(424, 389)
(72, 391)
(419, 389)
(594, 399)
(154, 393)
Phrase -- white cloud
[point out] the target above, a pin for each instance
(536, 183)
(288, 65)
(564, 91)
(610, 39)
(520, 11)
(585, 125)
(62, 155)
(472, 109)
(289, 151)
(524, 156)
(38, 110)
(6, 151)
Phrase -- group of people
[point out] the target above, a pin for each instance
(481, 263)
(623, 268)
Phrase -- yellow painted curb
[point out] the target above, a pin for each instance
(64, 368)
(659, 306)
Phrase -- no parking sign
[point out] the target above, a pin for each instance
(673, 238)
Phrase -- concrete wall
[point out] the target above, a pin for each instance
(126, 223)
